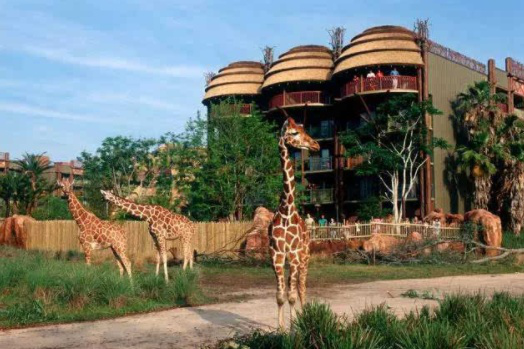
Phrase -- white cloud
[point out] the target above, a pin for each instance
(116, 63)
(24, 109)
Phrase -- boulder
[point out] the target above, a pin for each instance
(13, 232)
(436, 215)
(257, 237)
(381, 243)
(491, 233)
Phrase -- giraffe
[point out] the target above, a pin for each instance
(96, 234)
(163, 225)
(289, 235)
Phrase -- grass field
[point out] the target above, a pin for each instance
(46, 288)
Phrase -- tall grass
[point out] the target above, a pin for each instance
(36, 288)
(459, 322)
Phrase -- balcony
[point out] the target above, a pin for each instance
(320, 196)
(315, 164)
(399, 83)
(287, 99)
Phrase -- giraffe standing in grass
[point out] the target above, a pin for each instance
(163, 225)
(289, 236)
(95, 233)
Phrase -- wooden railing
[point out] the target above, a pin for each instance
(294, 98)
(315, 164)
(365, 230)
(401, 82)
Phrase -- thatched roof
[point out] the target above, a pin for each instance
(238, 78)
(380, 46)
(301, 63)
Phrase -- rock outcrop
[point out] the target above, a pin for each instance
(12, 231)
(381, 243)
(257, 237)
(491, 232)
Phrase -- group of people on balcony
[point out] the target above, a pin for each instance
(373, 81)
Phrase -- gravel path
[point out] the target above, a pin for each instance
(194, 327)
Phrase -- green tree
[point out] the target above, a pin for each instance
(241, 167)
(391, 143)
(14, 191)
(120, 164)
(479, 118)
(33, 167)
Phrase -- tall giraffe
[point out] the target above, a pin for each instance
(96, 234)
(289, 236)
(163, 225)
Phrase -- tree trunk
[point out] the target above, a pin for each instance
(482, 193)
(517, 200)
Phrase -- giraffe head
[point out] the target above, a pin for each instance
(107, 195)
(66, 185)
(295, 136)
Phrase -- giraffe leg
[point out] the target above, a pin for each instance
(157, 247)
(87, 252)
(302, 276)
(163, 254)
(294, 262)
(278, 266)
(188, 258)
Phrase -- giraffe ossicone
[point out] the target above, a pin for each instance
(163, 225)
(289, 236)
(95, 233)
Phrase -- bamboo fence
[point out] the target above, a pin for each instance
(211, 237)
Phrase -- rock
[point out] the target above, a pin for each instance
(257, 238)
(454, 220)
(491, 234)
(414, 236)
(381, 243)
(13, 232)
(436, 215)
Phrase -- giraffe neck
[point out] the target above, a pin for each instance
(78, 211)
(137, 210)
(287, 199)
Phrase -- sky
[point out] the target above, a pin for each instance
(73, 72)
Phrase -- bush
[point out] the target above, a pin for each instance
(459, 322)
(52, 208)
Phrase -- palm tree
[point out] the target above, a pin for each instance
(14, 191)
(479, 117)
(33, 166)
(512, 188)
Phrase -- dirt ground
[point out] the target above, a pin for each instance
(198, 326)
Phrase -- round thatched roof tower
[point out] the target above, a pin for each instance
(301, 63)
(237, 79)
(384, 45)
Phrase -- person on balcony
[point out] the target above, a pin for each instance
(322, 222)
(372, 80)
(333, 231)
(310, 222)
(356, 83)
(380, 75)
(394, 73)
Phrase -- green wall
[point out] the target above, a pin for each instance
(446, 80)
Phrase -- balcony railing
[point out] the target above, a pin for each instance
(294, 98)
(400, 82)
(320, 196)
(315, 164)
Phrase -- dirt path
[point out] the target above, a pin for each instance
(194, 327)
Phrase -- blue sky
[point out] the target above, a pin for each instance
(74, 72)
